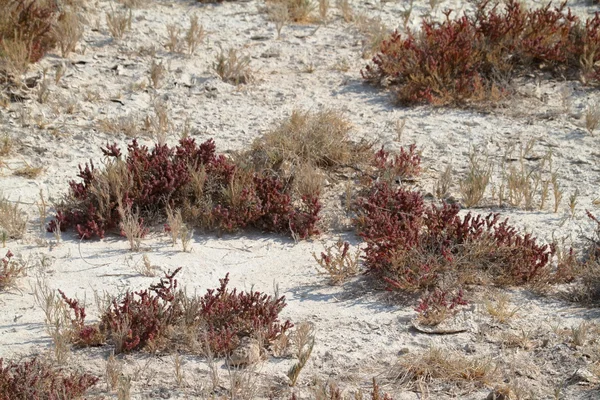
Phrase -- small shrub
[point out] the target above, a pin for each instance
(472, 58)
(304, 342)
(227, 315)
(330, 391)
(38, 380)
(209, 189)
(592, 117)
(25, 34)
(316, 139)
(68, 31)
(298, 10)
(413, 246)
(10, 270)
(473, 187)
(161, 315)
(589, 270)
(406, 164)
(118, 23)
(338, 262)
(82, 335)
(438, 306)
(194, 35)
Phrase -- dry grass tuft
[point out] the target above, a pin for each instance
(318, 139)
(233, 67)
(6, 145)
(157, 72)
(13, 220)
(28, 171)
(346, 10)
(119, 22)
(68, 32)
(298, 11)
(438, 364)
(132, 227)
(57, 318)
(278, 13)
(498, 307)
(26, 34)
(374, 31)
(194, 35)
(473, 187)
(592, 117)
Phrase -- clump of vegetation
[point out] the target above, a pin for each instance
(412, 245)
(10, 270)
(211, 191)
(320, 139)
(589, 269)
(13, 221)
(473, 58)
(338, 262)
(26, 34)
(439, 305)
(330, 390)
(163, 316)
(437, 364)
(233, 67)
(39, 380)
(298, 10)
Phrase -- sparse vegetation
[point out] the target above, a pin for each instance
(448, 270)
(119, 22)
(68, 32)
(592, 117)
(412, 245)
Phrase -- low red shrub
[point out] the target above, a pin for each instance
(37, 380)
(158, 315)
(152, 180)
(473, 57)
(411, 245)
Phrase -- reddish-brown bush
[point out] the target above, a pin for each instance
(405, 164)
(10, 270)
(37, 380)
(472, 58)
(157, 316)
(82, 335)
(214, 191)
(438, 305)
(229, 315)
(412, 245)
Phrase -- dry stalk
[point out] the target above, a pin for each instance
(195, 35)
(118, 22)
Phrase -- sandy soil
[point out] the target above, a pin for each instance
(361, 333)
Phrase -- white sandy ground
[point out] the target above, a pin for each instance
(361, 333)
